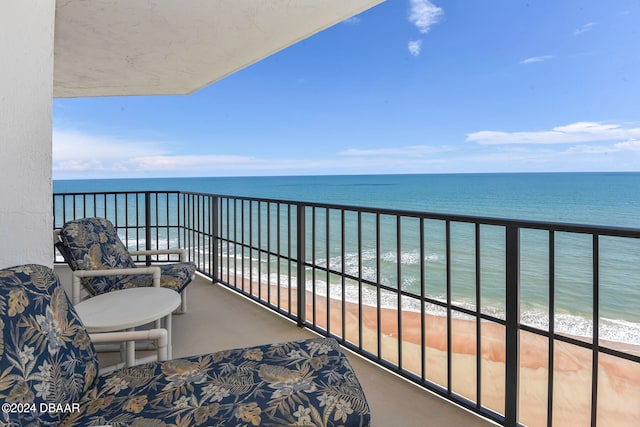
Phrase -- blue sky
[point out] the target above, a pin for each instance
(410, 86)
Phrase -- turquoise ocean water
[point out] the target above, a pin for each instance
(610, 199)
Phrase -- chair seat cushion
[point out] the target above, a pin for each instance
(308, 383)
(175, 276)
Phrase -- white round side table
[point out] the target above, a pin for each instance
(127, 309)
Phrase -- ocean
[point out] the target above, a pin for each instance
(607, 199)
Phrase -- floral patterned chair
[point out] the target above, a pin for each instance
(91, 246)
(48, 374)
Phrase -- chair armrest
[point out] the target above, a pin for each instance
(160, 336)
(78, 274)
(56, 237)
(181, 252)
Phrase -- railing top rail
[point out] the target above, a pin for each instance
(92, 193)
(611, 231)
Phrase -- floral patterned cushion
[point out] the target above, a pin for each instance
(174, 276)
(45, 353)
(94, 244)
(302, 383)
(46, 358)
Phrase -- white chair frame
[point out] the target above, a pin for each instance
(158, 336)
(76, 288)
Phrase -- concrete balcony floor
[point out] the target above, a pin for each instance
(220, 319)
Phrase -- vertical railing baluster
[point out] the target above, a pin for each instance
(279, 253)
(190, 241)
(478, 320)
(423, 332)
(185, 220)
(289, 258)
(147, 225)
(64, 210)
(242, 244)
(179, 222)
(199, 232)
(116, 222)
(156, 222)
(328, 262)
(378, 292)
(269, 252)
(512, 359)
(449, 313)
(74, 207)
(228, 237)
(360, 345)
(251, 291)
(343, 284)
(399, 286)
(216, 239)
(360, 280)
(259, 250)
(167, 216)
(552, 321)
(235, 244)
(126, 217)
(313, 262)
(301, 260)
(596, 329)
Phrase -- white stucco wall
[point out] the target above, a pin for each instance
(26, 87)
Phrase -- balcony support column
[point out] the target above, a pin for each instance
(26, 86)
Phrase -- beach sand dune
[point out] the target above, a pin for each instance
(618, 379)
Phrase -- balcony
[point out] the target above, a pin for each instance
(393, 401)
(409, 293)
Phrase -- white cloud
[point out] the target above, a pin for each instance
(77, 153)
(415, 46)
(79, 145)
(579, 132)
(591, 149)
(586, 27)
(80, 155)
(409, 151)
(190, 162)
(630, 145)
(582, 157)
(535, 59)
(78, 165)
(424, 14)
(83, 155)
(214, 165)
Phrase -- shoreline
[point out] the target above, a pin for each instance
(612, 344)
(566, 324)
(618, 382)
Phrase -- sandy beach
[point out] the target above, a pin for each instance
(618, 383)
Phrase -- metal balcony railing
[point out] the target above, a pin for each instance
(373, 279)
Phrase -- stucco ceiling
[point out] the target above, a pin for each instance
(154, 47)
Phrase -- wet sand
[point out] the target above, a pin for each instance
(618, 384)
